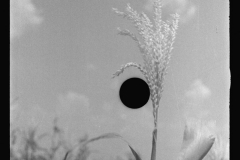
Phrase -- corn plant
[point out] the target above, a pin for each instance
(156, 44)
(24, 145)
(158, 38)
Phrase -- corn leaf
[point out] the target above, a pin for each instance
(137, 157)
(197, 141)
(114, 135)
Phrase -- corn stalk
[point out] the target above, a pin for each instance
(158, 38)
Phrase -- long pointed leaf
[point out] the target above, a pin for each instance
(199, 151)
(137, 157)
(104, 136)
(197, 141)
(114, 135)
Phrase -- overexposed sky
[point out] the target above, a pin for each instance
(64, 52)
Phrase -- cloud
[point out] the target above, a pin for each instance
(28, 117)
(186, 15)
(73, 98)
(73, 110)
(22, 14)
(73, 104)
(198, 91)
(198, 103)
(91, 67)
(184, 8)
(25, 116)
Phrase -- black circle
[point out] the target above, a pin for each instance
(134, 93)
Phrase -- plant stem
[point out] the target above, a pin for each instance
(154, 134)
(154, 144)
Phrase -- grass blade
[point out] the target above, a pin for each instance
(154, 145)
(137, 157)
(114, 135)
(104, 136)
(66, 155)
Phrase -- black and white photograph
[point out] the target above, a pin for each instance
(119, 80)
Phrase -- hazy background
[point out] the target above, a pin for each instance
(64, 52)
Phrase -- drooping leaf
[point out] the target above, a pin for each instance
(104, 136)
(137, 157)
(114, 135)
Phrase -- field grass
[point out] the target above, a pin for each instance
(25, 145)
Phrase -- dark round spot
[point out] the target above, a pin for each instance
(134, 93)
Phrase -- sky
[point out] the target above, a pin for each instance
(63, 54)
